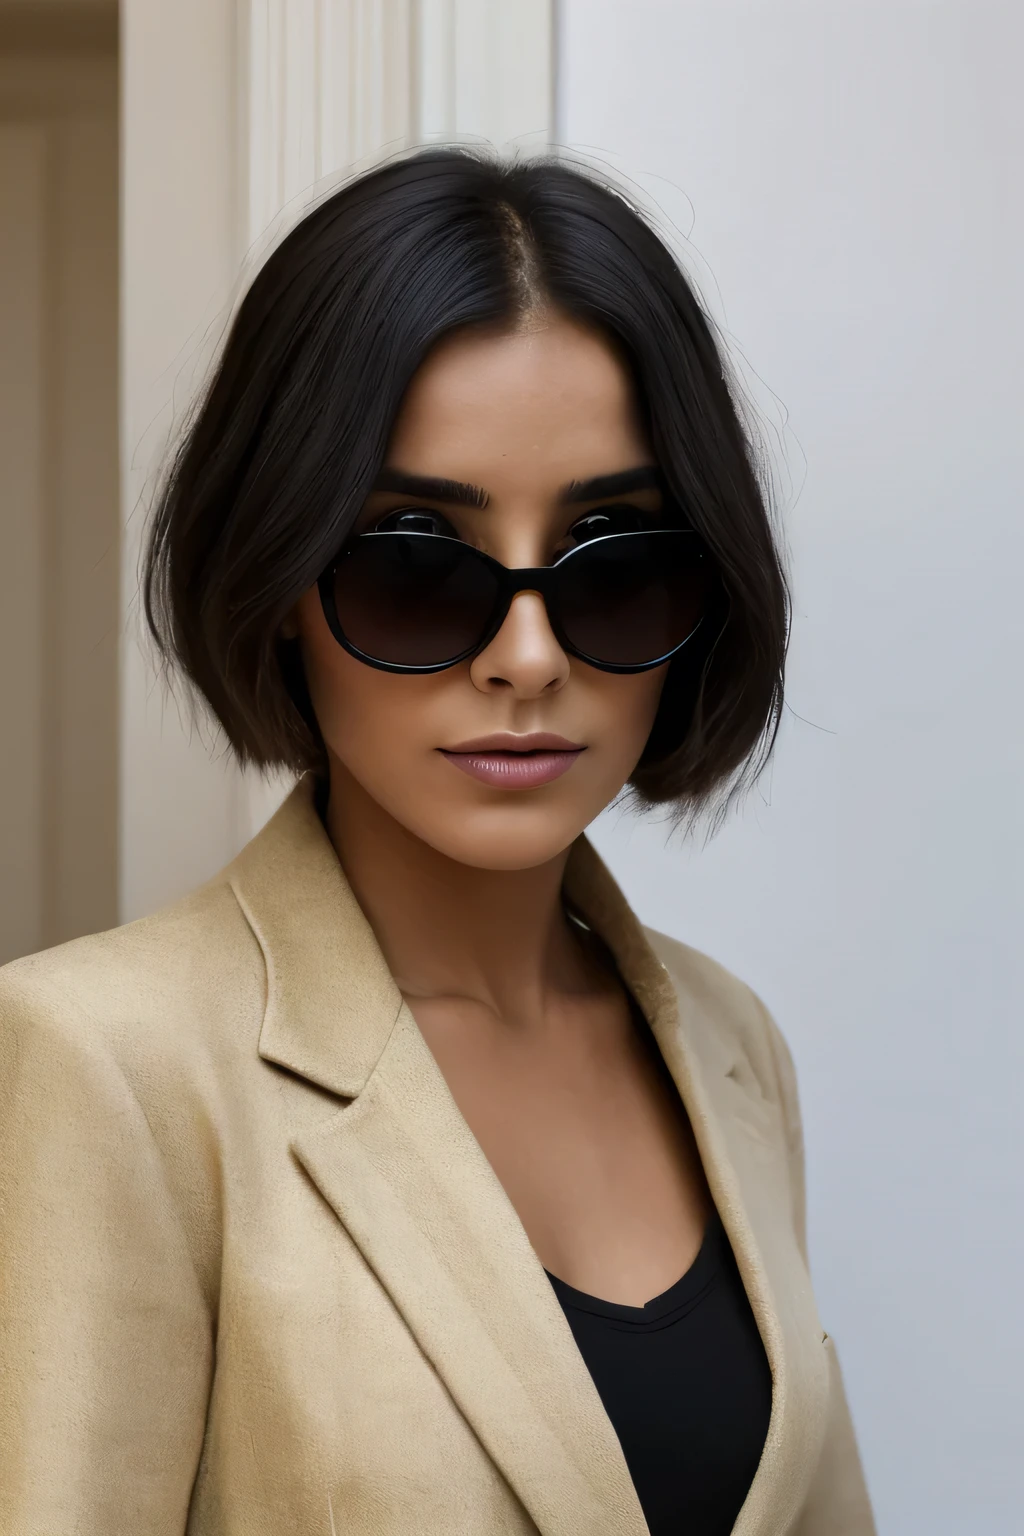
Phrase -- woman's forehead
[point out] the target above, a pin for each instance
(551, 404)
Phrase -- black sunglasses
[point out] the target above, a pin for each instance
(421, 602)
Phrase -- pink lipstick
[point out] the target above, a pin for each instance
(506, 761)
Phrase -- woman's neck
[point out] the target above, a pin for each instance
(446, 929)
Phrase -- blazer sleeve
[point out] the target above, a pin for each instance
(838, 1503)
(105, 1338)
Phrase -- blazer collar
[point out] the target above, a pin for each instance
(331, 1000)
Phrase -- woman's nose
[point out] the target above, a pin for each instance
(524, 655)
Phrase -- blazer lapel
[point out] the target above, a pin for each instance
(406, 1177)
(741, 1145)
(743, 1156)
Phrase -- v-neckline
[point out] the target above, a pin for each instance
(680, 1297)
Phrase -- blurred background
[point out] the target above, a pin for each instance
(842, 180)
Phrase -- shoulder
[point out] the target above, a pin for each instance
(161, 985)
(722, 1005)
(731, 999)
(122, 1058)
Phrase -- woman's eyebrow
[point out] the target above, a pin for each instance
(461, 494)
(645, 477)
(432, 488)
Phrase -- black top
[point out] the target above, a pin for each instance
(686, 1384)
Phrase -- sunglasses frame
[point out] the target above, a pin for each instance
(543, 580)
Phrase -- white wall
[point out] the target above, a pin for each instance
(854, 176)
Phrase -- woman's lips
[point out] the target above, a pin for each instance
(511, 763)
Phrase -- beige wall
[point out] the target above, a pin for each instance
(58, 474)
(114, 797)
(180, 254)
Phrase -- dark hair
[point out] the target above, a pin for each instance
(285, 447)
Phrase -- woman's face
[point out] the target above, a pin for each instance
(527, 418)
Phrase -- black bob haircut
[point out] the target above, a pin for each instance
(292, 433)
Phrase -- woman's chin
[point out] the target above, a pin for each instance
(502, 839)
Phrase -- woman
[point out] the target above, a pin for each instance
(397, 1180)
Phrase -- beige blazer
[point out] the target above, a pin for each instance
(258, 1276)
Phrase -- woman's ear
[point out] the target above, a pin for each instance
(289, 629)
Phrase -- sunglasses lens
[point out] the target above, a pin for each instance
(413, 599)
(632, 598)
